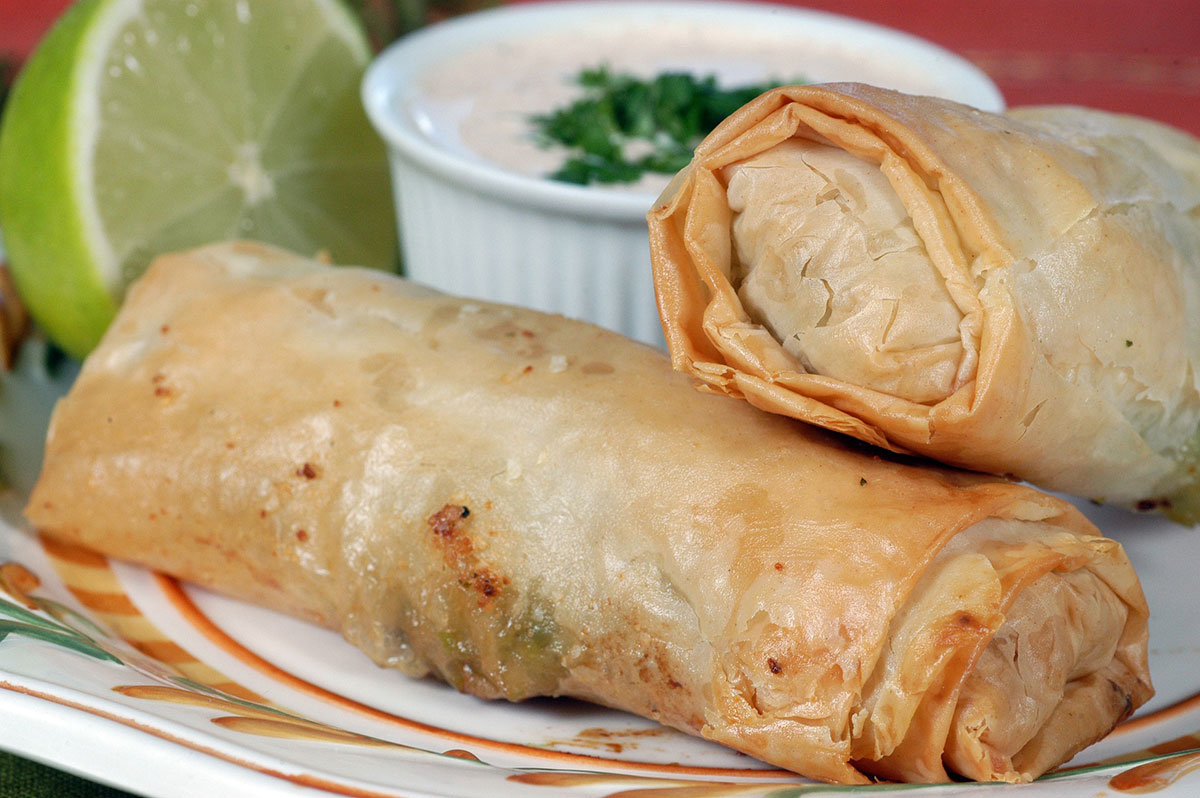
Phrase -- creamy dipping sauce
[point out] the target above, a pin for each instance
(478, 102)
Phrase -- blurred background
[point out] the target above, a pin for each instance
(1133, 56)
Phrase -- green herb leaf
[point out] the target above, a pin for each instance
(624, 127)
(57, 636)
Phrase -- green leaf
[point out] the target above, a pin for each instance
(22, 614)
(671, 112)
(69, 617)
(57, 636)
(57, 624)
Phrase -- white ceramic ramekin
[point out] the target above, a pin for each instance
(475, 229)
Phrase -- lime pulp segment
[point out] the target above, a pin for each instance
(191, 122)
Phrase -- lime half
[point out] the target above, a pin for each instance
(144, 126)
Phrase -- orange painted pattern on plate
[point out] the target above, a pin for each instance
(290, 730)
(257, 719)
(92, 582)
(300, 779)
(1185, 743)
(188, 609)
(1155, 776)
(174, 593)
(639, 787)
(18, 582)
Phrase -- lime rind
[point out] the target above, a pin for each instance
(84, 101)
(145, 126)
(282, 78)
(50, 255)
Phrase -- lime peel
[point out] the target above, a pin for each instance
(249, 120)
(28, 184)
(86, 106)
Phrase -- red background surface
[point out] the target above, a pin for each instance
(1136, 56)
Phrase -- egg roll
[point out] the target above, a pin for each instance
(1012, 293)
(525, 505)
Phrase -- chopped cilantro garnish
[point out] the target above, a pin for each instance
(623, 126)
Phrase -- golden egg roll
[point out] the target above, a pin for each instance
(1017, 294)
(525, 505)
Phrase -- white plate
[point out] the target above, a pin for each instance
(130, 678)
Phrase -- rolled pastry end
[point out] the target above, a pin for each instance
(1013, 294)
(1047, 685)
(1021, 645)
(827, 257)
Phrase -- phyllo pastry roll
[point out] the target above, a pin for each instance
(525, 505)
(1017, 294)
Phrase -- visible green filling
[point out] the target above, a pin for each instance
(504, 645)
(513, 645)
(1183, 506)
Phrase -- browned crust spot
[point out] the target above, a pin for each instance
(458, 553)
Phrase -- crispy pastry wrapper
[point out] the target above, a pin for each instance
(1017, 294)
(525, 505)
